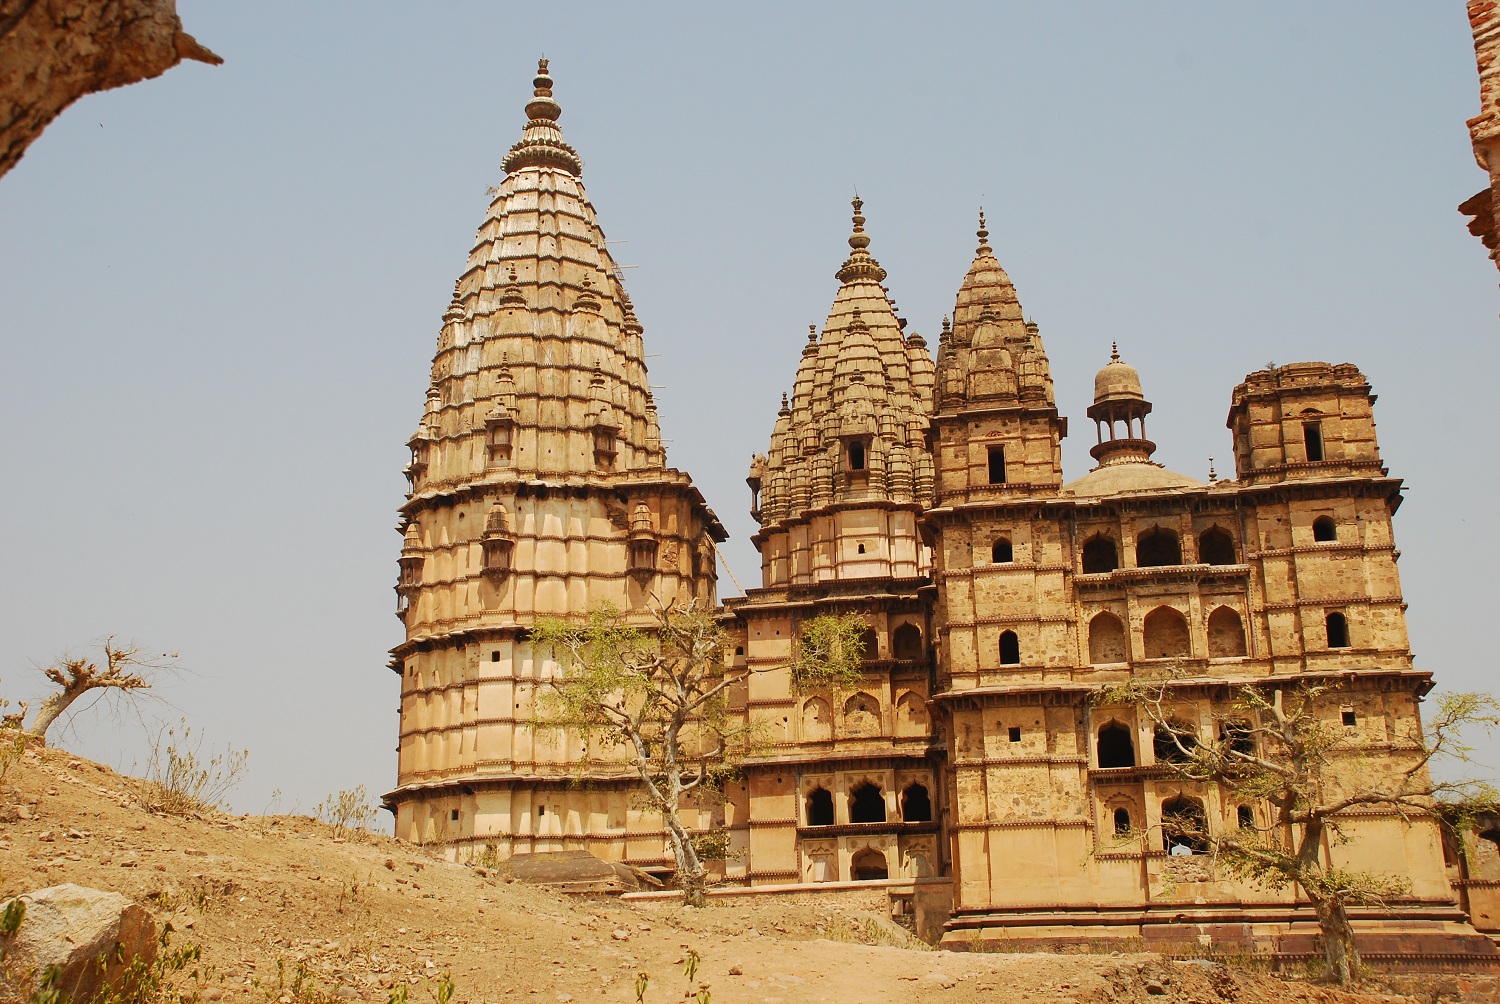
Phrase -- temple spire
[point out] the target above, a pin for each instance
(860, 265)
(541, 142)
(984, 237)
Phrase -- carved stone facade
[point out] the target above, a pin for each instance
(928, 497)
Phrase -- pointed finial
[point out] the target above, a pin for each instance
(858, 239)
(1212, 476)
(784, 407)
(1114, 352)
(857, 323)
(984, 236)
(812, 334)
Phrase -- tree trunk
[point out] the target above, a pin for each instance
(51, 709)
(1339, 952)
(53, 52)
(692, 877)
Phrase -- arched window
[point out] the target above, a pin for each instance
(1010, 649)
(1122, 822)
(862, 715)
(1337, 626)
(869, 644)
(1100, 555)
(1215, 547)
(1324, 528)
(1226, 634)
(906, 642)
(867, 804)
(1166, 634)
(1174, 743)
(1245, 817)
(1158, 547)
(856, 456)
(1107, 640)
(817, 720)
(1185, 826)
(868, 866)
(819, 807)
(1237, 738)
(1002, 553)
(1115, 747)
(916, 804)
(911, 715)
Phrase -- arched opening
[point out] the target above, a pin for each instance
(1245, 817)
(1337, 626)
(1184, 825)
(1166, 634)
(868, 866)
(867, 804)
(1122, 822)
(1174, 743)
(1010, 649)
(1486, 864)
(1100, 555)
(1107, 640)
(869, 644)
(862, 715)
(1158, 547)
(911, 715)
(819, 807)
(906, 642)
(1324, 528)
(1215, 547)
(856, 456)
(1001, 553)
(916, 805)
(1116, 749)
(1226, 634)
(1236, 737)
(817, 720)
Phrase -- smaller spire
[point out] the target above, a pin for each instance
(1212, 475)
(860, 265)
(785, 408)
(984, 236)
(857, 323)
(1114, 352)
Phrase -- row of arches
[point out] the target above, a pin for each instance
(1158, 547)
(1171, 743)
(867, 805)
(861, 716)
(906, 643)
(1165, 635)
(1184, 824)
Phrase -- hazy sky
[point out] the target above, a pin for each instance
(220, 290)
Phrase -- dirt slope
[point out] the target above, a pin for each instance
(286, 913)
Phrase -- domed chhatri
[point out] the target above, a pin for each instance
(1117, 381)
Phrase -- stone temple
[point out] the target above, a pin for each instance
(925, 492)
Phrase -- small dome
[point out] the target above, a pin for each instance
(1117, 381)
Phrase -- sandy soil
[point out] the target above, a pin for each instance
(286, 913)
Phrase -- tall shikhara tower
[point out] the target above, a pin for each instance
(539, 487)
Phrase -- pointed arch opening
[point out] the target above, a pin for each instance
(1010, 649)
(1216, 547)
(911, 714)
(819, 807)
(1116, 748)
(1174, 742)
(1165, 634)
(1226, 634)
(1107, 640)
(1001, 552)
(817, 720)
(916, 803)
(867, 804)
(1337, 627)
(1158, 547)
(862, 715)
(906, 642)
(869, 865)
(1100, 555)
(1184, 826)
(1122, 822)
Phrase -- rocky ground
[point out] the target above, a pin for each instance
(286, 912)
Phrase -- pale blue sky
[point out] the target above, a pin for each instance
(220, 290)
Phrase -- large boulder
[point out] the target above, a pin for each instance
(89, 938)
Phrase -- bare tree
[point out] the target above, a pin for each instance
(126, 670)
(1276, 747)
(657, 694)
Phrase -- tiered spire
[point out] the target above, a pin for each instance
(993, 353)
(862, 380)
(540, 310)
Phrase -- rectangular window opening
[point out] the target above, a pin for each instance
(453, 815)
(1015, 733)
(1312, 438)
(997, 465)
(1348, 717)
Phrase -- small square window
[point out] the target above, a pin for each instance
(495, 656)
(739, 650)
(453, 815)
(1348, 717)
(1015, 733)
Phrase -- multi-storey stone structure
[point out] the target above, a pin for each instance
(928, 497)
